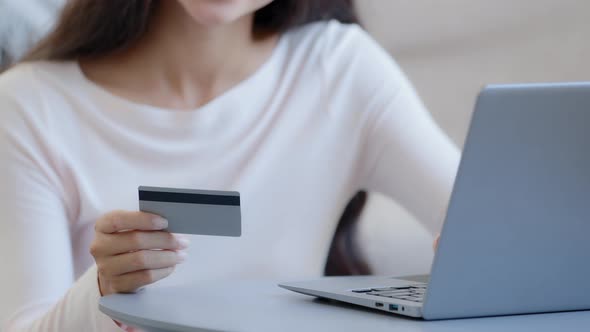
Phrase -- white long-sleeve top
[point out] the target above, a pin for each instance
(328, 114)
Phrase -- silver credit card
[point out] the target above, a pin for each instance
(203, 212)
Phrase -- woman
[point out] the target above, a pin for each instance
(275, 99)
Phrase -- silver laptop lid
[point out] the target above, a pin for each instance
(517, 233)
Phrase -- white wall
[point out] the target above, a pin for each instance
(450, 49)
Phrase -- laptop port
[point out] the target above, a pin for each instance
(379, 304)
(393, 307)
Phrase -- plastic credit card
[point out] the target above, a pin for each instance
(188, 211)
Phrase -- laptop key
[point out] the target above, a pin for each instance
(397, 291)
(401, 298)
(362, 290)
(388, 294)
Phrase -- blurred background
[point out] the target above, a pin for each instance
(450, 49)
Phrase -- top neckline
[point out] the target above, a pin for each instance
(250, 82)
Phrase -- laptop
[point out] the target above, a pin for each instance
(516, 237)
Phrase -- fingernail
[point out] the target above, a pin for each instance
(160, 223)
(183, 242)
(181, 256)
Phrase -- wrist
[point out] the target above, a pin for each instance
(103, 288)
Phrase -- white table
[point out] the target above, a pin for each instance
(262, 306)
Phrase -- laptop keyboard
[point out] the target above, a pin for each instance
(413, 293)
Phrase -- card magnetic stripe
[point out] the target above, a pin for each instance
(158, 196)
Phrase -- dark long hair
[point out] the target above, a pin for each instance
(98, 27)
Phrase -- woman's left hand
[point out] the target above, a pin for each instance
(435, 244)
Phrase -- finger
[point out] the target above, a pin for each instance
(139, 260)
(436, 241)
(131, 282)
(118, 221)
(118, 243)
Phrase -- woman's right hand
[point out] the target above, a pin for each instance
(131, 250)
